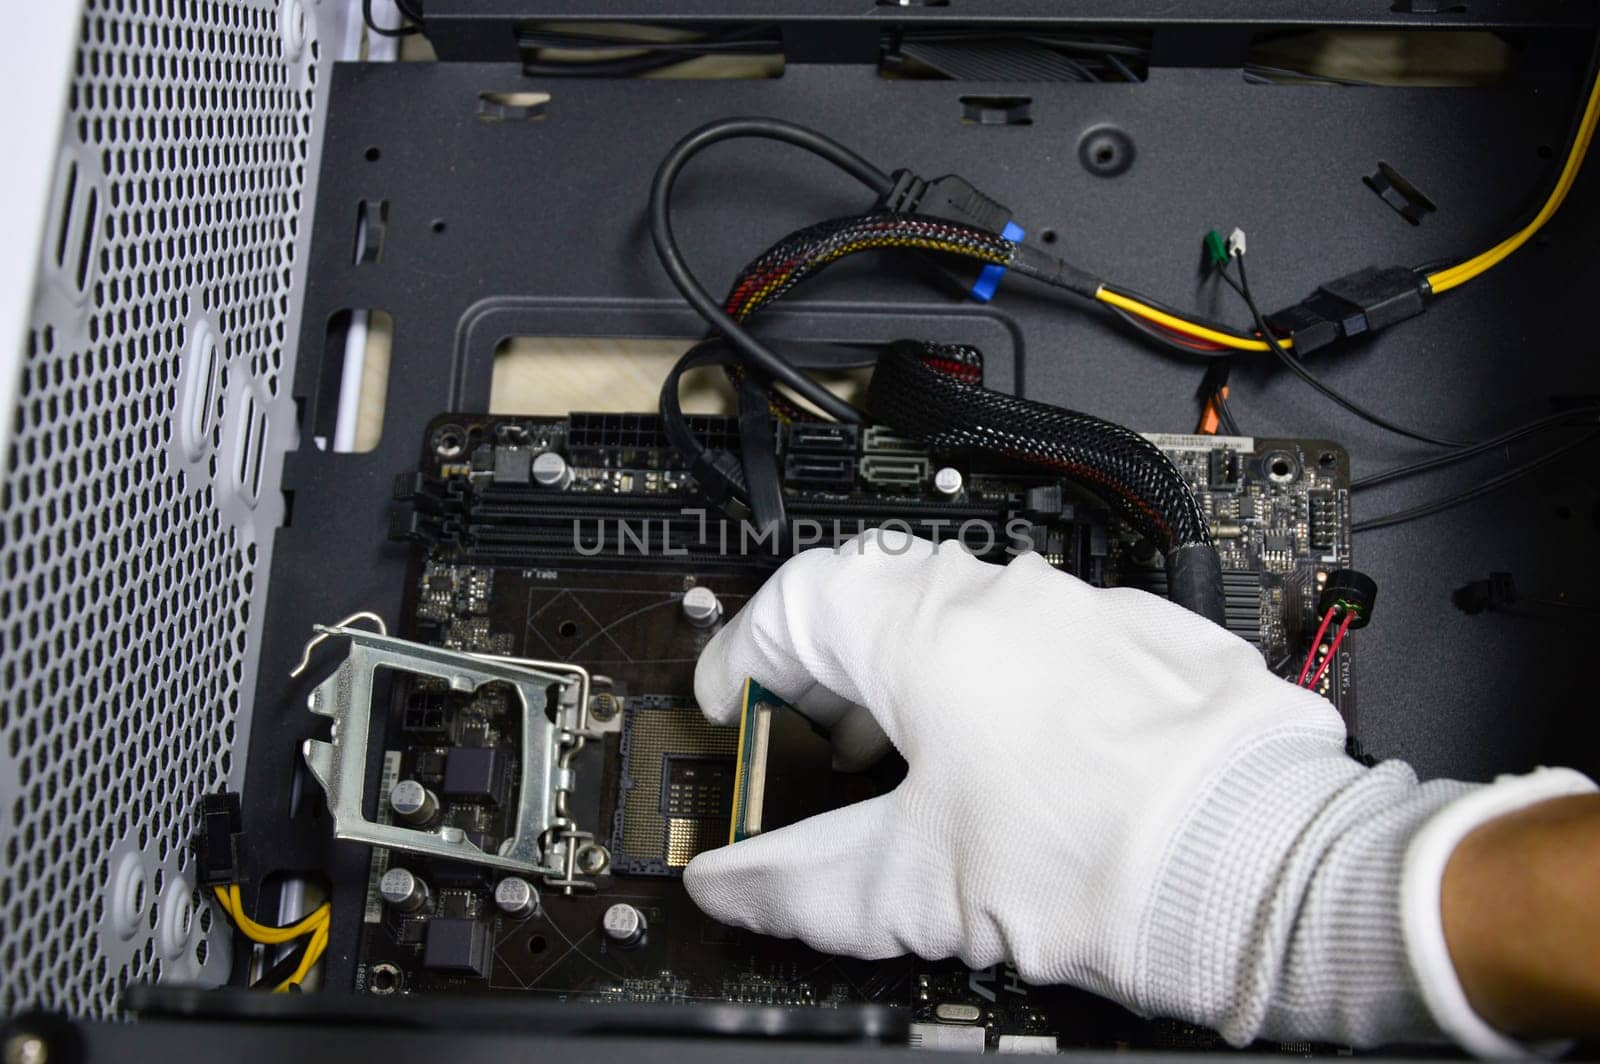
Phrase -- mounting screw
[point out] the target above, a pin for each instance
(1105, 151)
(603, 706)
(593, 859)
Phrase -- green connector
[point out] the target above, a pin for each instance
(1216, 248)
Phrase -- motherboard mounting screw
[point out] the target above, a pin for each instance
(593, 859)
(603, 706)
(701, 607)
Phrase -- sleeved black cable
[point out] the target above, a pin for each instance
(1132, 474)
(749, 349)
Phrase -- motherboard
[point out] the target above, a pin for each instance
(582, 540)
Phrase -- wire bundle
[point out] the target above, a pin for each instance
(315, 925)
(804, 253)
(807, 251)
(1137, 477)
(934, 393)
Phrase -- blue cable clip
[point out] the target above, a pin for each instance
(988, 281)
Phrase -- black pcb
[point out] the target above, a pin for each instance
(594, 571)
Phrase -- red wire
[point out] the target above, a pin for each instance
(1189, 340)
(1311, 656)
(1333, 649)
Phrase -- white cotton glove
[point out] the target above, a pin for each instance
(1104, 790)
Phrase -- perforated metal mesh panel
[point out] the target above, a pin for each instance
(139, 482)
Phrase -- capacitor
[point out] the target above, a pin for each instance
(624, 925)
(516, 897)
(701, 607)
(947, 481)
(413, 803)
(550, 470)
(405, 891)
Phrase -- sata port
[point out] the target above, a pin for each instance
(879, 440)
(821, 436)
(811, 471)
(900, 471)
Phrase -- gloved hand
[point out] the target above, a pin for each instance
(1103, 789)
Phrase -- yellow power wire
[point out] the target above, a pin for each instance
(1463, 272)
(316, 925)
(1171, 321)
(1441, 281)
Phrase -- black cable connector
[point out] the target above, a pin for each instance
(952, 198)
(1362, 302)
(217, 843)
(955, 199)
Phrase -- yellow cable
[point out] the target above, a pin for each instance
(314, 951)
(1149, 313)
(233, 905)
(1465, 271)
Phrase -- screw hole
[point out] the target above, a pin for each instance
(449, 441)
(537, 944)
(567, 629)
(1048, 236)
(1327, 459)
(1280, 467)
(385, 979)
(438, 225)
(1104, 154)
(373, 155)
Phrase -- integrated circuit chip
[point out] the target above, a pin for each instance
(784, 766)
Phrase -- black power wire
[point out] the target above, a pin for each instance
(751, 350)
(406, 11)
(1482, 488)
(1551, 421)
(1294, 365)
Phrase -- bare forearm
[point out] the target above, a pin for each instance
(1521, 909)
